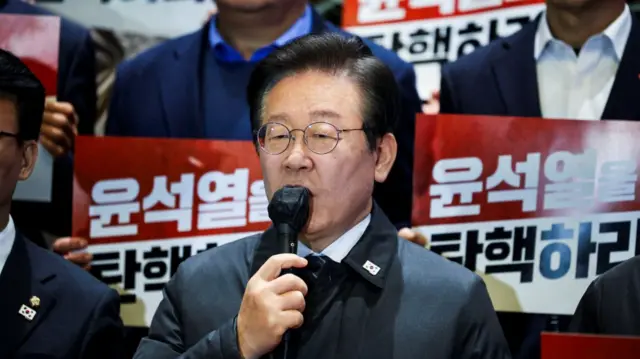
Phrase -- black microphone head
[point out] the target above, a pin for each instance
(290, 205)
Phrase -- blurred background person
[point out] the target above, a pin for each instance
(210, 70)
(580, 59)
(609, 306)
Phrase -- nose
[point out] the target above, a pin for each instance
(297, 159)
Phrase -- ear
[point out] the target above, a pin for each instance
(29, 158)
(386, 155)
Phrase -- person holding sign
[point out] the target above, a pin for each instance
(201, 97)
(323, 108)
(49, 307)
(580, 59)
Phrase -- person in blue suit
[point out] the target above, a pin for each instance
(49, 307)
(580, 59)
(73, 112)
(193, 86)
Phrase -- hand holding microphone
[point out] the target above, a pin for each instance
(273, 301)
(271, 305)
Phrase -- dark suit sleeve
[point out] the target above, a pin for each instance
(80, 84)
(104, 339)
(395, 195)
(165, 338)
(479, 332)
(447, 101)
(586, 317)
(116, 113)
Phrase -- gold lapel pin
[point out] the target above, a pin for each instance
(35, 302)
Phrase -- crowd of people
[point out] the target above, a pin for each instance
(264, 59)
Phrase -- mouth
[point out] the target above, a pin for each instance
(301, 185)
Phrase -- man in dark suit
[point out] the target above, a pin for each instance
(610, 305)
(323, 108)
(514, 76)
(193, 86)
(73, 112)
(49, 307)
(580, 59)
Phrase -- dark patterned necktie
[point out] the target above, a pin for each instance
(323, 277)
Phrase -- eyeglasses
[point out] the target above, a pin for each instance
(320, 137)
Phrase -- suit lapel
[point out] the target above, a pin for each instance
(23, 277)
(180, 88)
(515, 72)
(623, 102)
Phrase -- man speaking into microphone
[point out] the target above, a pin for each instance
(323, 109)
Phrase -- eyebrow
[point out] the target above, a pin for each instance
(279, 117)
(324, 114)
(314, 115)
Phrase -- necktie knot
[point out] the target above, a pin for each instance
(316, 264)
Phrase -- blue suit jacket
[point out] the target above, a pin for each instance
(500, 80)
(77, 85)
(78, 316)
(149, 100)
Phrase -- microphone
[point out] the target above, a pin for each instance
(289, 212)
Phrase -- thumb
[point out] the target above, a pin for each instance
(406, 233)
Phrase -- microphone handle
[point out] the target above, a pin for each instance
(289, 244)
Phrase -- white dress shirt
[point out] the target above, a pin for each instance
(343, 245)
(578, 86)
(7, 236)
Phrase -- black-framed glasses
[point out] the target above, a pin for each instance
(319, 137)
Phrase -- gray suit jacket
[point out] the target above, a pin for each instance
(419, 305)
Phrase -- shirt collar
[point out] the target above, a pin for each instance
(371, 257)
(225, 52)
(617, 32)
(343, 245)
(7, 236)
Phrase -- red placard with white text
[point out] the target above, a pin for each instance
(146, 205)
(430, 33)
(538, 207)
(35, 40)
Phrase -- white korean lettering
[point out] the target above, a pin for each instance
(116, 197)
(574, 177)
(379, 10)
(216, 214)
(475, 5)
(163, 194)
(258, 203)
(446, 7)
(505, 174)
(456, 177)
(617, 181)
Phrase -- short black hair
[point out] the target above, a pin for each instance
(19, 83)
(336, 54)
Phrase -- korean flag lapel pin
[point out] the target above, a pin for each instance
(371, 268)
(27, 312)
